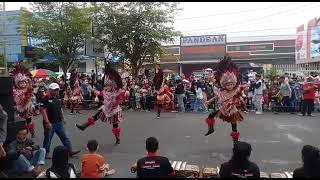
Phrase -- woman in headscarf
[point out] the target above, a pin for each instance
(61, 168)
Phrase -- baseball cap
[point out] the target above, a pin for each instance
(54, 86)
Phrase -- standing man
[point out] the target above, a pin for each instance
(180, 93)
(309, 93)
(258, 94)
(286, 92)
(53, 120)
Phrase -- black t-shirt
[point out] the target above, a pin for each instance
(53, 106)
(303, 173)
(156, 166)
(251, 170)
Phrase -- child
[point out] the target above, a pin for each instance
(93, 164)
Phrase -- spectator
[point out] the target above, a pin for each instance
(286, 92)
(258, 94)
(93, 76)
(180, 93)
(149, 98)
(93, 164)
(28, 160)
(86, 93)
(308, 97)
(153, 166)
(199, 100)
(239, 166)
(3, 130)
(61, 168)
(311, 163)
(53, 120)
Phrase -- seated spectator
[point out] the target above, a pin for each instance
(61, 168)
(153, 166)
(311, 163)
(239, 166)
(31, 157)
(93, 164)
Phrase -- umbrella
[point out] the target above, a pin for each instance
(43, 73)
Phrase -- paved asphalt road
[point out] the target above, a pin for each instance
(276, 140)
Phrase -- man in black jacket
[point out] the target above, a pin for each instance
(239, 166)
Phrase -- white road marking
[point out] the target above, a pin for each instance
(294, 138)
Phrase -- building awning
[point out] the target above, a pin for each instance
(48, 58)
(200, 61)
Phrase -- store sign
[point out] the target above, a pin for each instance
(203, 40)
(250, 47)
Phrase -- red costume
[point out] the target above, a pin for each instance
(162, 98)
(229, 96)
(23, 91)
(113, 96)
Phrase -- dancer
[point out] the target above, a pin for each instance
(111, 110)
(23, 91)
(162, 97)
(229, 95)
(76, 97)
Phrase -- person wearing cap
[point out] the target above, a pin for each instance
(239, 166)
(53, 119)
(258, 94)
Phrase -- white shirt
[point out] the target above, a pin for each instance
(199, 93)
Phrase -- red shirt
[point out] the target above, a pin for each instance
(311, 93)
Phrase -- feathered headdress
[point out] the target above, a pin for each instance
(21, 73)
(158, 79)
(227, 72)
(112, 77)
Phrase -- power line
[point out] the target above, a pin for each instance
(235, 12)
(254, 19)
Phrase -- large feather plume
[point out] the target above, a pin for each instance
(226, 65)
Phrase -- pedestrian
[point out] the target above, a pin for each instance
(311, 163)
(240, 166)
(258, 94)
(86, 93)
(309, 93)
(61, 168)
(137, 97)
(180, 93)
(53, 120)
(154, 166)
(286, 93)
(149, 97)
(199, 102)
(93, 164)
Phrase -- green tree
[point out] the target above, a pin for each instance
(135, 29)
(271, 74)
(62, 28)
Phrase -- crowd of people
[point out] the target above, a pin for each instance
(221, 93)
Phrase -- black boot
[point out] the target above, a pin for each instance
(210, 130)
(117, 140)
(83, 126)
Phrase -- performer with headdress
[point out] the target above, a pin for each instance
(113, 95)
(162, 97)
(76, 97)
(229, 95)
(22, 92)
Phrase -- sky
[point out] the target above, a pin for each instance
(236, 19)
